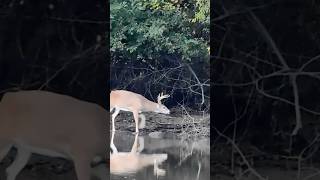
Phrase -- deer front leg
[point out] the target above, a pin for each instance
(141, 144)
(18, 164)
(4, 149)
(100, 172)
(142, 123)
(138, 144)
(136, 120)
(113, 147)
(83, 168)
(114, 115)
(135, 144)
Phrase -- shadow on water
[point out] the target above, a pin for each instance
(166, 158)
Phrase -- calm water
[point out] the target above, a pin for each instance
(166, 158)
(135, 157)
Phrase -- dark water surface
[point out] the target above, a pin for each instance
(158, 156)
(134, 157)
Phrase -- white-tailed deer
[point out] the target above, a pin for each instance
(124, 163)
(52, 125)
(122, 100)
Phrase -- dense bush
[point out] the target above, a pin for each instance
(150, 29)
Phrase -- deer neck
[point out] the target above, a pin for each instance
(149, 106)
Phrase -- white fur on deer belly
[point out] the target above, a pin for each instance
(38, 150)
(125, 109)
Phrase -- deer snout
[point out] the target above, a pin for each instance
(162, 109)
(167, 111)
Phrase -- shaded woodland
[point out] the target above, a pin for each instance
(162, 46)
(265, 68)
(57, 46)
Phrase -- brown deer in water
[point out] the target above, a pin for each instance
(122, 100)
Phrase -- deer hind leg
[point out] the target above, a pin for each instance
(18, 164)
(114, 115)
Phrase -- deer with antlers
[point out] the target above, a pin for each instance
(122, 100)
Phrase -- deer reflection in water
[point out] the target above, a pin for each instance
(125, 163)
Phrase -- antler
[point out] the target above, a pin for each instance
(161, 96)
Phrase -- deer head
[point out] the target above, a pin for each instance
(162, 108)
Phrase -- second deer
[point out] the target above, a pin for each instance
(122, 100)
(54, 125)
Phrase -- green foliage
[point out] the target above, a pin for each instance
(202, 11)
(149, 29)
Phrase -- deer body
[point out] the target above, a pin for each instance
(122, 100)
(53, 125)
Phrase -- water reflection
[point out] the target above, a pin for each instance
(126, 163)
(165, 158)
